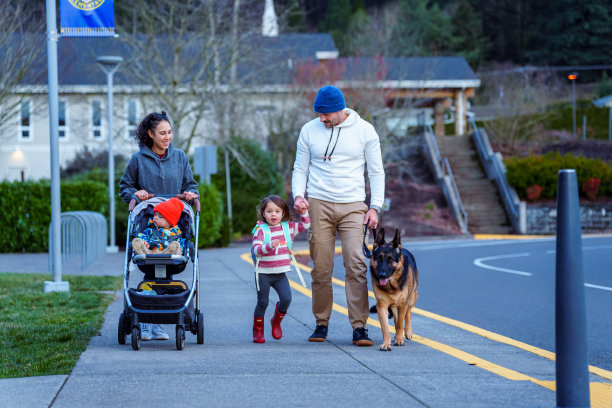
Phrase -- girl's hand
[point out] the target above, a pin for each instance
(274, 243)
(146, 244)
(189, 195)
(142, 195)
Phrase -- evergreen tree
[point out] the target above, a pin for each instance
(359, 42)
(295, 18)
(574, 33)
(468, 40)
(501, 24)
(336, 23)
(422, 29)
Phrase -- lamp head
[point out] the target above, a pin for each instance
(109, 64)
(109, 61)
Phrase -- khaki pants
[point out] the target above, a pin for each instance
(325, 219)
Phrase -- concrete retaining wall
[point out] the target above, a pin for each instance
(594, 218)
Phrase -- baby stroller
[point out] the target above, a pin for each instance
(170, 301)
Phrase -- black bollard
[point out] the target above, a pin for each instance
(570, 319)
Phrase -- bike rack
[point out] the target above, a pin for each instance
(84, 234)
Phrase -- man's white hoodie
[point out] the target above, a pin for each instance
(351, 146)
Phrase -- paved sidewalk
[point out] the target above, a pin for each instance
(229, 370)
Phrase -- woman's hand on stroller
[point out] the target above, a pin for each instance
(189, 196)
(142, 195)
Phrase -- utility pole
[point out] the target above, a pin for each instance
(573, 77)
(55, 236)
(109, 65)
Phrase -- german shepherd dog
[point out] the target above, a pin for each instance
(394, 279)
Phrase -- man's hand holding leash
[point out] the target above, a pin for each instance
(371, 218)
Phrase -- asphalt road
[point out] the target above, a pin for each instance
(446, 364)
(508, 287)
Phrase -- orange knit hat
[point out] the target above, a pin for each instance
(170, 210)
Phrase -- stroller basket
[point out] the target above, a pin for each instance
(167, 305)
(159, 259)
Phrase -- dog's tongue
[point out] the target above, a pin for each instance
(383, 282)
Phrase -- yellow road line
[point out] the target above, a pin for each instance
(601, 393)
(510, 236)
(481, 332)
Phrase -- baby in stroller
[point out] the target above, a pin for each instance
(160, 228)
(162, 235)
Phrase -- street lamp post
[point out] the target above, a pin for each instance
(573, 77)
(110, 64)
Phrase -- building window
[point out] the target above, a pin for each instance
(24, 121)
(132, 118)
(96, 119)
(61, 119)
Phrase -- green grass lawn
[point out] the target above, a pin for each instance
(45, 333)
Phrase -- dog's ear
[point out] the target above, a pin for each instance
(397, 240)
(379, 238)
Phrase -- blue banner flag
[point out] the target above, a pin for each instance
(87, 18)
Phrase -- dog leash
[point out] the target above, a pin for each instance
(365, 249)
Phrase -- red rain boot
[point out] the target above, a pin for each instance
(258, 330)
(277, 332)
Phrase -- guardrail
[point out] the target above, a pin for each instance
(495, 170)
(444, 177)
(84, 234)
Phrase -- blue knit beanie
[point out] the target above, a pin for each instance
(329, 99)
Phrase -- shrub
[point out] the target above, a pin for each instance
(560, 116)
(523, 173)
(248, 189)
(100, 175)
(210, 215)
(28, 206)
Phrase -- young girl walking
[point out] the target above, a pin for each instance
(272, 250)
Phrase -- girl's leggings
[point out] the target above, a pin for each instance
(280, 283)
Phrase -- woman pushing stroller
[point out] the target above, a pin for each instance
(157, 168)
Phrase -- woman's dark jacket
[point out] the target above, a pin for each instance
(146, 171)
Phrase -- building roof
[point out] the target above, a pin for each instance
(77, 56)
(273, 61)
(405, 72)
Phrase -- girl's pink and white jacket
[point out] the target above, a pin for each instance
(277, 260)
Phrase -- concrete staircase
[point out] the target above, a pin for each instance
(480, 196)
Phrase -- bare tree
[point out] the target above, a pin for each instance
(20, 48)
(184, 56)
(517, 98)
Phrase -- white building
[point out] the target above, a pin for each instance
(283, 64)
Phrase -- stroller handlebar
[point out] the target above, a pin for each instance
(195, 201)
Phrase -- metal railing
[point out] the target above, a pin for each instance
(495, 170)
(84, 234)
(444, 177)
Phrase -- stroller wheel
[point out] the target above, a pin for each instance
(121, 334)
(180, 337)
(200, 328)
(135, 338)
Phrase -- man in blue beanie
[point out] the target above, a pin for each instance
(333, 152)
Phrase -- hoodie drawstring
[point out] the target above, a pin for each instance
(325, 156)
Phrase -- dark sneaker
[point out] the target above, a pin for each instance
(360, 337)
(319, 335)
